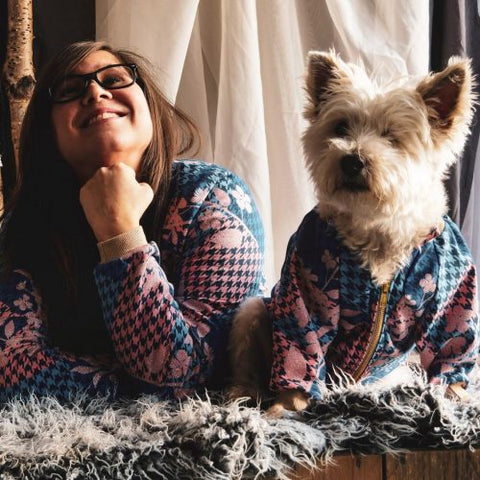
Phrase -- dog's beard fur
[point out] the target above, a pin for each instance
(378, 157)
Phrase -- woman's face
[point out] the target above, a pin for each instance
(102, 127)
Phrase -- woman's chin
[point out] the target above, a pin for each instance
(85, 172)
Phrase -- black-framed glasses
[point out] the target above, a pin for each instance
(111, 77)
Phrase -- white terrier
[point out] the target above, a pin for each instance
(377, 268)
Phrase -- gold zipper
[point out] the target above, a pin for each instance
(376, 331)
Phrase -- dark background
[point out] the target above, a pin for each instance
(56, 23)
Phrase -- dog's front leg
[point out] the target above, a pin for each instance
(250, 348)
(457, 391)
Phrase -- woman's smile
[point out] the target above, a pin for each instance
(100, 115)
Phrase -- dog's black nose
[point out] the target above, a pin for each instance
(351, 165)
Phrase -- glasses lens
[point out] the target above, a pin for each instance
(119, 76)
(68, 88)
(112, 77)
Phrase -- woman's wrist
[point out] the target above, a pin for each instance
(105, 230)
(121, 244)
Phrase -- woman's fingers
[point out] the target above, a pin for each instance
(113, 201)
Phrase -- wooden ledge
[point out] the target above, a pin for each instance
(422, 465)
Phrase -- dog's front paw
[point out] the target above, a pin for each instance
(457, 392)
(243, 391)
(291, 400)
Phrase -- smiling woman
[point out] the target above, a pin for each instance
(97, 122)
(115, 279)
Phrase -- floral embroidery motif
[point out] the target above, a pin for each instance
(211, 219)
(175, 224)
(222, 197)
(428, 283)
(199, 195)
(243, 200)
(329, 262)
(23, 303)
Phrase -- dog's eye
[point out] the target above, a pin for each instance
(341, 129)
(387, 133)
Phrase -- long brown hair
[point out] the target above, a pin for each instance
(45, 231)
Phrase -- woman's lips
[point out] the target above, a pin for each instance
(99, 116)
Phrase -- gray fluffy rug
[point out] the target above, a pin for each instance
(207, 438)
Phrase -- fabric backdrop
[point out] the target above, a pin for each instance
(456, 31)
(237, 67)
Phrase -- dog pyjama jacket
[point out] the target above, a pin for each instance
(326, 316)
(167, 305)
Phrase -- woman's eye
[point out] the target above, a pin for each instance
(341, 129)
(112, 80)
(69, 88)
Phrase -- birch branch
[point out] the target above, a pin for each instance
(18, 73)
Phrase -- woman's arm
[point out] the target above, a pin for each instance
(167, 331)
(28, 364)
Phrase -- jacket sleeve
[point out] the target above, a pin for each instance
(28, 364)
(305, 311)
(166, 331)
(449, 344)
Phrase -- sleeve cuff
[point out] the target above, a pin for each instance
(120, 245)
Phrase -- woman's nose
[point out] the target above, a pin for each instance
(95, 92)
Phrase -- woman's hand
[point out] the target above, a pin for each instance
(113, 201)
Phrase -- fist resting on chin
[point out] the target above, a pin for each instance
(114, 201)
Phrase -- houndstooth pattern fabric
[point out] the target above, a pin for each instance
(167, 305)
(324, 305)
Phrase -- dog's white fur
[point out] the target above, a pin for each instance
(405, 136)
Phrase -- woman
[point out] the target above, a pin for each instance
(86, 302)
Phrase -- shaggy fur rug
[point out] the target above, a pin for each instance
(208, 438)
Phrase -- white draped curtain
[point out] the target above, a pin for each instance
(236, 66)
(471, 223)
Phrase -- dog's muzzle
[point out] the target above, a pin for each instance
(353, 169)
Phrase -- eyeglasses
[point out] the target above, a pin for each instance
(111, 77)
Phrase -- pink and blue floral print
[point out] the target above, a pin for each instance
(324, 306)
(167, 305)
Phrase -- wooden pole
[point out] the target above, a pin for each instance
(18, 73)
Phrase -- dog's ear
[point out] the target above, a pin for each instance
(449, 100)
(323, 71)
